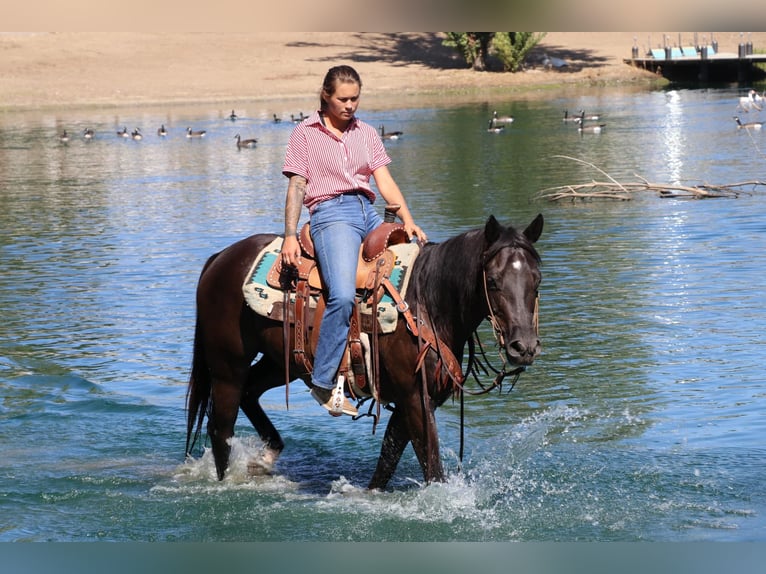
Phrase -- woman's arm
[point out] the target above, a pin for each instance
(296, 190)
(391, 193)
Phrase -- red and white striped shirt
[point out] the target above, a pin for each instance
(330, 165)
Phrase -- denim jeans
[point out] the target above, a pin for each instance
(338, 226)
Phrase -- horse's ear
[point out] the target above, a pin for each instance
(535, 229)
(492, 230)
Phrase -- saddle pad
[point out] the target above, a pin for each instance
(261, 297)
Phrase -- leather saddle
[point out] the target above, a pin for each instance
(374, 267)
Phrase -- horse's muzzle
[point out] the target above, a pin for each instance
(523, 350)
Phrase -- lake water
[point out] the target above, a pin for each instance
(643, 420)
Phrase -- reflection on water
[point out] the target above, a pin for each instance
(642, 420)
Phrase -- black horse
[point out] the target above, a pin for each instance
(492, 272)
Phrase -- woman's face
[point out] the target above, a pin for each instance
(343, 102)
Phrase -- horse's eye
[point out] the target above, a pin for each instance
(492, 284)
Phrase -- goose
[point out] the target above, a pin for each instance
(162, 132)
(245, 143)
(298, 119)
(276, 119)
(748, 125)
(88, 133)
(233, 116)
(136, 134)
(568, 118)
(192, 134)
(594, 129)
(501, 119)
(64, 137)
(592, 117)
(494, 129)
(389, 135)
(124, 133)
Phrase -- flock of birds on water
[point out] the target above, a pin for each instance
(753, 101)
(137, 135)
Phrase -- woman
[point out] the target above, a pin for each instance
(329, 161)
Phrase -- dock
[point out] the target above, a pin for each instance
(701, 63)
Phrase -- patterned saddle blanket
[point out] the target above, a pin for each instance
(263, 299)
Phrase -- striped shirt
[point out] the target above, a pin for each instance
(330, 165)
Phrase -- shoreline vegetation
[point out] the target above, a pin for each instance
(282, 70)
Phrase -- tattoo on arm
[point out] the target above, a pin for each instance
(296, 189)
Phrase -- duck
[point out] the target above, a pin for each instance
(276, 119)
(64, 137)
(748, 125)
(195, 134)
(162, 132)
(233, 116)
(245, 143)
(88, 133)
(501, 119)
(136, 134)
(124, 133)
(495, 129)
(389, 135)
(593, 129)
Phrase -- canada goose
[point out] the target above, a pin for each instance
(501, 119)
(594, 129)
(136, 134)
(162, 132)
(593, 117)
(389, 135)
(276, 119)
(568, 118)
(245, 143)
(299, 119)
(494, 129)
(233, 116)
(64, 137)
(195, 134)
(124, 133)
(748, 125)
(88, 133)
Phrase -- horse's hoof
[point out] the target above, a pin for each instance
(263, 465)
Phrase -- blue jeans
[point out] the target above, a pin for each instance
(338, 226)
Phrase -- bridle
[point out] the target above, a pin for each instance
(497, 330)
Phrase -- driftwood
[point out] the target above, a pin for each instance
(613, 189)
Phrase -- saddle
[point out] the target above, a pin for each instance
(374, 266)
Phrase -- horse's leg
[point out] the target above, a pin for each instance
(225, 396)
(421, 426)
(394, 442)
(263, 375)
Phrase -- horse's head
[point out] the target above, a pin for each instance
(511, 276)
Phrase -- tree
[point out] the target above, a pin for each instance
(474, 47)
(510, 47)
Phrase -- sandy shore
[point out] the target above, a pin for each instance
(55, 70)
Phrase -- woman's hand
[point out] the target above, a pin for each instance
(412, 229)
(291, 251)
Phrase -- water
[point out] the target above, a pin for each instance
(643, 420)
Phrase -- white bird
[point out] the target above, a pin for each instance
(746, 103)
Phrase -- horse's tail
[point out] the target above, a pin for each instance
(198, 391)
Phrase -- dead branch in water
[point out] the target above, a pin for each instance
(614, 189)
